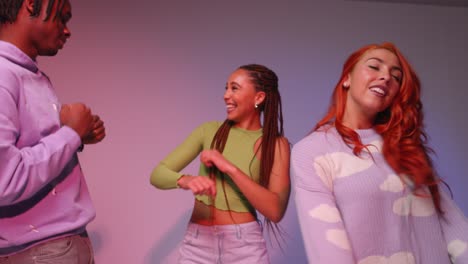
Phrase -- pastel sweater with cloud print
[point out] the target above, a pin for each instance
(357, 210)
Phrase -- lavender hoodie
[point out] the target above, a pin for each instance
(43, 193)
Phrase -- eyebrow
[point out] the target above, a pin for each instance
(381, 61)
(232, 84)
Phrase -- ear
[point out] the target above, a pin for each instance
(29, 5)
(259, 97)
(347, 81)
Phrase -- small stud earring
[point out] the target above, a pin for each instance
(256, 106)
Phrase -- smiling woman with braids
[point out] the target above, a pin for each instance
(366, 190)
(244, 169)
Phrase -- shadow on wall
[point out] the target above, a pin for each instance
(96, 240)
(291, 242)
(165, 251)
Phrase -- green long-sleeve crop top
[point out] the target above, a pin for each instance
(239, 150)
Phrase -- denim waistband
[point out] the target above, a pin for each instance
(12, 250)
(245, 227)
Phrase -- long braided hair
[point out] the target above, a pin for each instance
(264, 80)
(400, 125)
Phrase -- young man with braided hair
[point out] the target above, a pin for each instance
(44, 202)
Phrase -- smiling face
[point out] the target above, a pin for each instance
(50, 31)
(373, 84)
(241, 97)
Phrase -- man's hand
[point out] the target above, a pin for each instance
(78, 117)
(97, 133)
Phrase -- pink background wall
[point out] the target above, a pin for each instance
(154, 70)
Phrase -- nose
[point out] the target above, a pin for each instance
(226, 95)
(67, 32)
(385, 75)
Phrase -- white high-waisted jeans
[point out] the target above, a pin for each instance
(222, 244)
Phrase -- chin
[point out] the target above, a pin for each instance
(50, 52)
(232, 119)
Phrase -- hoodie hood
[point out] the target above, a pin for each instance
(17, 56)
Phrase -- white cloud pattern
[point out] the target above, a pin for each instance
(326, 213)
(392, 184)
(342, 164)
(338, 238)
(414, 205)
(320, 166)
(376, 146)
(397, 258)
(456, 248)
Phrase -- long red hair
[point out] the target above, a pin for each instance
(400, 125)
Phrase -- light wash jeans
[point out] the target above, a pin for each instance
(222, 244)
(74, 249)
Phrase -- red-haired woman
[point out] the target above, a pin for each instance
(366, 191)
(244, 168)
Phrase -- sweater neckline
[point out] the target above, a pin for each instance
(255, 132)
(367, 133)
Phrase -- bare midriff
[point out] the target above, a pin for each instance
(208, 215)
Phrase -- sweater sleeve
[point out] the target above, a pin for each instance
(25, 171)
(167, 172)
(324, 234)
(455, 229)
